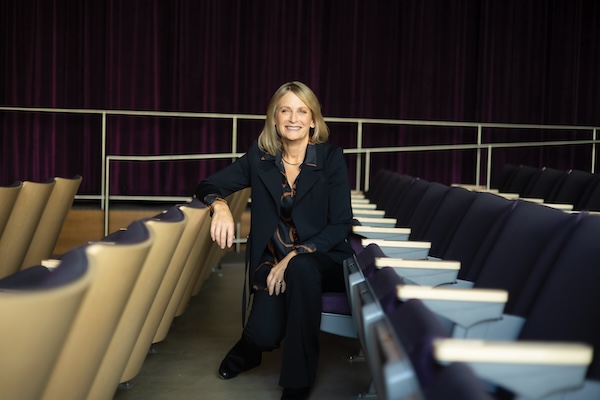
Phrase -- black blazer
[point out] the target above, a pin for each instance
(322, 211)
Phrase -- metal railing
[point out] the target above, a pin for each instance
(363, 154)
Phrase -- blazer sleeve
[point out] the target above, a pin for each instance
(230, 179)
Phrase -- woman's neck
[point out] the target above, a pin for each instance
(293, 153)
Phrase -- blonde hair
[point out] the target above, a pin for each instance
(269, 140)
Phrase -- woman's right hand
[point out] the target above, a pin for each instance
(222, 227)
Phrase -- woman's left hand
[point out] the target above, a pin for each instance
(275, 280)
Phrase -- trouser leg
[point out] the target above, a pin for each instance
(263, 332)
(306, 277)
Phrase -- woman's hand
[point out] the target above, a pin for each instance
(222, 227)
(275, 281)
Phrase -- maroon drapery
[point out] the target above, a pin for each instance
(465, 60)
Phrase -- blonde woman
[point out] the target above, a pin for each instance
(300, 218)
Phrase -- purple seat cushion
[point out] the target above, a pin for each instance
(336, 303)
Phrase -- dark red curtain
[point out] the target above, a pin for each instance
(465, 60)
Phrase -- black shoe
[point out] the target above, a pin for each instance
(295, 393)
(242, 357)
(226, 373)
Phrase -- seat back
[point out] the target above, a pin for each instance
(117, 266)
(21, 225)
(519, 181)
(184, 281)
(397, 187)
(51, 221)
(8, 197)
(531, 232)
(590, 199)
(446, 219)
(426, 209)
(37, 309)
(166, 230)
(500, 180)
(544, 183)
(406, 206)
(568, 304)
(195, 214)
(486, 211)
(571, 188)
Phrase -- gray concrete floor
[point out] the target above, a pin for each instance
(184, 365)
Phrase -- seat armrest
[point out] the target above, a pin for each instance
(363, 205)
(422, 272)
(528, 369)
(50, 263)
(564, 207)
(376, 221)
(406, 249)
(465, 307)
(367, 213)
(380, 232)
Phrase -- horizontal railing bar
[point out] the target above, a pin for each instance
(328, 119)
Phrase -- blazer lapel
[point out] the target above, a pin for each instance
(271, 177)
(310, 173)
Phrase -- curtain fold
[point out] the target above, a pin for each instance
(464, 60)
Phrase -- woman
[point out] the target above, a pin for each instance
(300, 218)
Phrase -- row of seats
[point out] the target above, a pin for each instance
(82, 325)
(580, 189)
(504, 276)
(31, 218)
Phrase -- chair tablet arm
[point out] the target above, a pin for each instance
(50, 263)
(473, 187)
(406, 249)
(422, 272)
(380, 232)
(367, 213)
(528, 369)
(465, 307)
(376, 221)
(363, 205)
(564, 207)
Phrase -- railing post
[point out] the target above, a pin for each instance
(359, 138)
(594, 132)
(478, 162)
(103, 162)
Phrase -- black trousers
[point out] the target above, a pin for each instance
(296, 316)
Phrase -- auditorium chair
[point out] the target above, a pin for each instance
(544, 183)
(405, 207)
(51, 221)
(445, 221)
(117, 267)
(564, 310)
(500, 180)
(166, 230)
(520, 179)
(195, 213)
(336, 314)
(8, 197)
(528, 239)
(22, 223)
(426, 208)
(402, 366)
(571, 188)
(194, 255)
(590, 199)
(37, 309)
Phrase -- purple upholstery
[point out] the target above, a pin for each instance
(335, 303)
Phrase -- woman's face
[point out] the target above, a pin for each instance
(293, 119)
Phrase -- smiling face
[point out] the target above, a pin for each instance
(293, 119)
